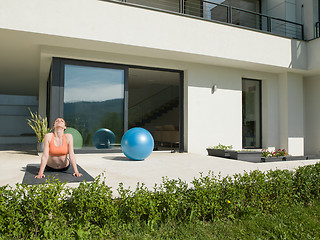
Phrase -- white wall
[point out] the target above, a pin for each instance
(313, 55)
(214, 118)
(291, 112)
(312, 114)
(209, 54)
(308, 15)
(285, 9)
(210, 119)
(270, 112)
(217, 118)
(119, 24)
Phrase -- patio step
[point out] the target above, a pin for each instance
(18, 140)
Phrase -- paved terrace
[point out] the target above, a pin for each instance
(118, 168)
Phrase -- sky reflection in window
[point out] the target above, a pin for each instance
(92, 84)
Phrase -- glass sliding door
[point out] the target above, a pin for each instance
(154, 104)
(93, 100)
(92, 95)
(251, 113)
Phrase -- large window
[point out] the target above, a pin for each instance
(96, 98)
(93, 99)
(251, 113)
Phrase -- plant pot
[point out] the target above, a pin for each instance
(40, 147)
(290, 158)
(245, 155)
(273, 159)
(218, 152)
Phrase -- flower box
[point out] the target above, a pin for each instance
(283, 158)
(272, 159)
(246, 155)
(218, 152)
(289, 158)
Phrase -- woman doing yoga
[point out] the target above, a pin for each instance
(56, 147)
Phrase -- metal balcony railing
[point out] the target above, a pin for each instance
(210, 10)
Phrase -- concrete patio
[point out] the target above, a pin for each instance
(118, 168)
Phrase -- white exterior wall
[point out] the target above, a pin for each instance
(312, 114)
(313, 56)
(270, 112)
(210, 119)
(208, 53)
(291, 112)
(214, 118)
(307, 13)
(114, 23)
(285, 9)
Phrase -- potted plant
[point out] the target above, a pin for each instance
(219, 150)
(40, 127)
(279, 154)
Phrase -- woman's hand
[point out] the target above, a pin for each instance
(77, 174)
(40, 176)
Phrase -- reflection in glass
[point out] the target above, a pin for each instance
(242, 12)
(93, 99)
(251, 113)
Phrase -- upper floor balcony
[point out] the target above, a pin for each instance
(243, 13)
(100, 29)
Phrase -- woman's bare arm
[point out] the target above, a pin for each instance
(45, 155)
(72, 156)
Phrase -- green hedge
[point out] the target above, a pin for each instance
(55, 211)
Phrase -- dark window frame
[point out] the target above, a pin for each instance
(56, 89)
(260, 113)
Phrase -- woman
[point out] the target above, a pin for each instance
(55, 149)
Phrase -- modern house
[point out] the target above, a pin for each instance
(195, 73)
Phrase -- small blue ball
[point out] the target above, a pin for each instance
(103, 138)
(137, 143)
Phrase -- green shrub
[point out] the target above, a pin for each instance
(55, 211)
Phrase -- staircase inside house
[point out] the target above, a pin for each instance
(156, 113)
(15, 133)
(159, 114)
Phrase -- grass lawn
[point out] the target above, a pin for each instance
(296, 222)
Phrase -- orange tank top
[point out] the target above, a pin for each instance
(58, 150)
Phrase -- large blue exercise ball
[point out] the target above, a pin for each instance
(137, 143)
(103, 138)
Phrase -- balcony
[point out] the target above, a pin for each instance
(217, 12)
